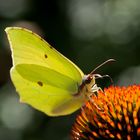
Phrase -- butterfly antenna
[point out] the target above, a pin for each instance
(107, 61)
(105, 76)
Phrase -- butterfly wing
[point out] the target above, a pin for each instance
(29, 48)
(43, 77)
(53, 95)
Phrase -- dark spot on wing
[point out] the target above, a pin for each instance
(45, 56)
(40, 83)
(41, 38)
(51, 47)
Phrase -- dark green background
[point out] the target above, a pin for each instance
(86, 31)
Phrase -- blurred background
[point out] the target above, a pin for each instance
(86, 31)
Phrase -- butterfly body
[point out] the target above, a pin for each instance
(85, 88)
(44, 78)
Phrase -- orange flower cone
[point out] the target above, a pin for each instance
(113, 114)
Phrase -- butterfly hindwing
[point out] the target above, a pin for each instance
(45, 94)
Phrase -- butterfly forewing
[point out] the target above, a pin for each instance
(29, 48)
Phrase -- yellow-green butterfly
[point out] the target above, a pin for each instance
(46, 79)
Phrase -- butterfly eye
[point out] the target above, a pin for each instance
(89, 79)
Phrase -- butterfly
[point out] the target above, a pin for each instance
(44, 78)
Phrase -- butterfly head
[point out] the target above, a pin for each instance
(88, 79)
(88, 85)
(89, 82)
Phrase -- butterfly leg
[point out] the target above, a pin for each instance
(94, 92)
(95, 89)
(92, 100)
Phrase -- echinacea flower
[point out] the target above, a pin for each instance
(113, 114)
